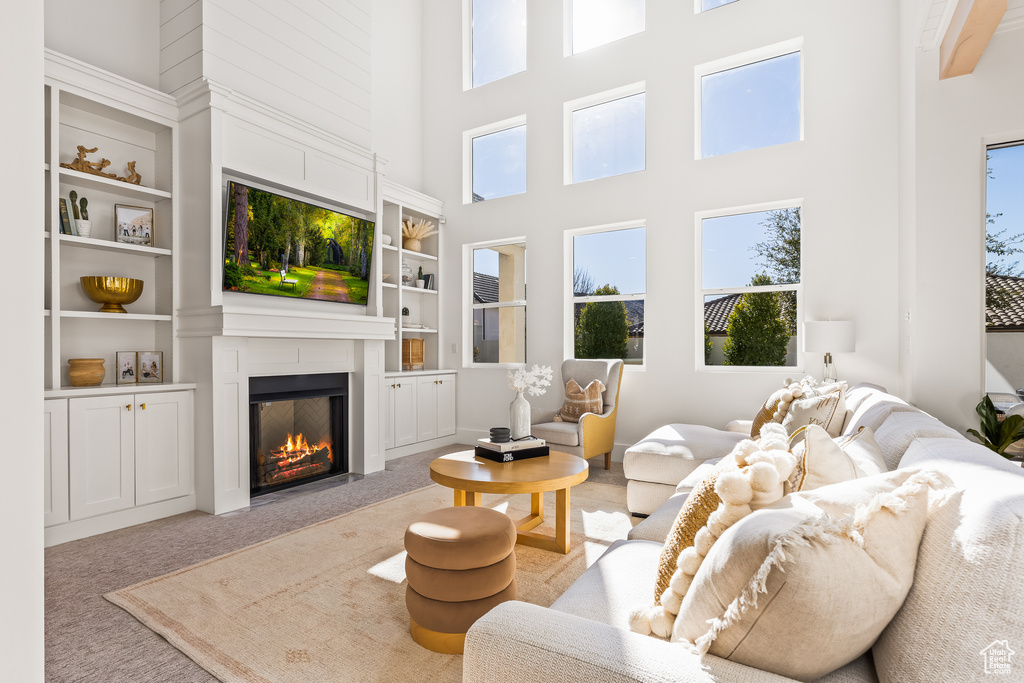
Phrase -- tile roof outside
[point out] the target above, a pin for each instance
(1011, 318)
(716, 313)
(485, 288)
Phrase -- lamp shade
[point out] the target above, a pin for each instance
(832, 336)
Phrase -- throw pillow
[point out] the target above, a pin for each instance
(807, 585)
(777, 405)
(821, 460)
(579, 401)
(749, 478)
(827, 410)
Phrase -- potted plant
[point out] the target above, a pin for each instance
(995, 434)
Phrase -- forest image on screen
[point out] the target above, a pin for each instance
(286, 247)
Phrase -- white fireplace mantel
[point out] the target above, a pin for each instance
(235, 320)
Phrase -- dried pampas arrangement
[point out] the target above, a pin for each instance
(415, 230)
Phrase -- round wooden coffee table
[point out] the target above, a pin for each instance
(470, 476)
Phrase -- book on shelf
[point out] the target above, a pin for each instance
(65, 217)
(511, 456)
(506, 446)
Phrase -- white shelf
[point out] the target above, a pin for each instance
(108, 388)
(418, 290)
(426, 330)
(102, 184)
(418, 255)
(109, 245)
(389, 285)
(389, 247)
(115, 316)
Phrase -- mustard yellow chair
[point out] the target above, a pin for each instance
(594, 434)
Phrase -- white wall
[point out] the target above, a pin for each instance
(845, 170)
(121, 36)
(954, 121)
(21, 404)
(397, 88)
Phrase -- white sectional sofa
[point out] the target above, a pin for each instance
(966, 601)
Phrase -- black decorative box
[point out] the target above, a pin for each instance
(512, 456)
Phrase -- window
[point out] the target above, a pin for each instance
(705, 5)
(494, 161)
(496, 40)
(609, 281)
(497, 325)
(750, 285)
(596, 22)
(750, 101)
(1004, 274)
(606, 134)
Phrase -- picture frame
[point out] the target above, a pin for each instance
(127, 363)
(150, 368)
(133, 225)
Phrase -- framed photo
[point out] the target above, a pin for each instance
(133, 224)
(127, 367)
(150, 366)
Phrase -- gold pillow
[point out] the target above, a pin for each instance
(579, 401)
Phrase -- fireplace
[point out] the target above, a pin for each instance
(298, 429)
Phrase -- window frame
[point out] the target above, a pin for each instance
(698, 6)
(701, 292)
(570, 299)
(736, 61)
(467, 153)
(568, 108)
(469, 306)
(467, 48)
(568, 29)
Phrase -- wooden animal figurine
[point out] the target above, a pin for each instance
(133, 176)
(85, 166)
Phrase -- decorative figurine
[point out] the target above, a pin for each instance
(85, 166)
(133, 177)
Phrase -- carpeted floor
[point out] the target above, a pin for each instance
(89, 639)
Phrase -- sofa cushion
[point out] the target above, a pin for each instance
(581, 400)
(558, 433)
(825, 410)
(660, 521)
(645, 497)
(901, 428)
(967, 592)
(805, 586)
(872, 408)
(822, 460)
(670, 453)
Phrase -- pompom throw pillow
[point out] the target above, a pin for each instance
(579, 401)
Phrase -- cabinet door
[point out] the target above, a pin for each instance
(405, 411)
(426, 408)
(55, 461)
(163, 446)
(445, 405)
(101, 455)
(389, 416)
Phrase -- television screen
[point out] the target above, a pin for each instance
(280, 246)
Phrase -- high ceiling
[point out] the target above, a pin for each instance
(940, 11)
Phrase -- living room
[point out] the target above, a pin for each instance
(888, 171)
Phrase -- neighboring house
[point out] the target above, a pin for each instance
(485, 320)
(1004, 335)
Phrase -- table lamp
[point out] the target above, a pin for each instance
(829, 336)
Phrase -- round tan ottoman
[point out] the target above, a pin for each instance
(461, 562)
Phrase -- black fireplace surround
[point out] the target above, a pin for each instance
(298, 429)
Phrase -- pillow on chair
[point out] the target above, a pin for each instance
(579, 401)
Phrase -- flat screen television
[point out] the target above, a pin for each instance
(283, 246)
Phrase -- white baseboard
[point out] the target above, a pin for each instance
(83, 528)
(420, 446)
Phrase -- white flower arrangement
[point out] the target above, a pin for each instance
(535, 380)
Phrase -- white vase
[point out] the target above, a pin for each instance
(519, 417)
(83, 227)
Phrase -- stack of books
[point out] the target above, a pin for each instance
(511, 451)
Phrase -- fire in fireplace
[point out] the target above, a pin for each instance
(298, 429)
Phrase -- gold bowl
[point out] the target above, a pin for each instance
(112, 292)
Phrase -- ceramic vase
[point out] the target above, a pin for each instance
(519, 417)
(85, 372)
(83, 227)
(410, 244)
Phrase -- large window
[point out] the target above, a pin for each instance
(750, 101)
(494, 160)
(609, 282)
(597, 22)
(750, 285)
(497, 280)
(606, 134)
(497, 40)
(1004, 274)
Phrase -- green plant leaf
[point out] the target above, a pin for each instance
(1009, 432)
(981, 438)
(989, 419)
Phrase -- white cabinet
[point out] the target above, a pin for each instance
(400, 427)
(55, 461)
(445, 405)
(435, 406)
(128, 450)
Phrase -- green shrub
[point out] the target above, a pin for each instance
(232, 276)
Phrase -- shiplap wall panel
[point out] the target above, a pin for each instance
(321, 32)
(1014, 17)
(180, 50)
(181, 43)
(172, 8)
(182, 74)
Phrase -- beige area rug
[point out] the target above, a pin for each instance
(327, 602)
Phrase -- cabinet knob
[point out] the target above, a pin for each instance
(129, 407)
(142, 405)
(399, 385)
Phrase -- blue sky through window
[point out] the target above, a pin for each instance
(751, 106)
(728, 256)
(1005, 195)
(615, 257)
(499, 39)
(596, 22)
(499, 163)
(705, 5)
(609, 138)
